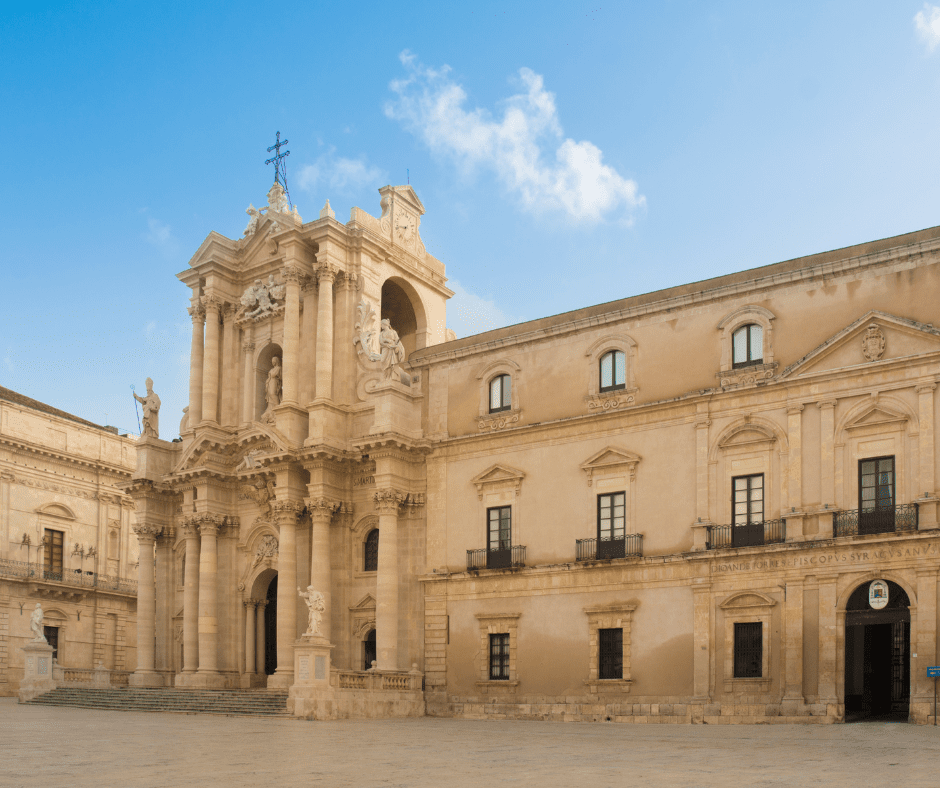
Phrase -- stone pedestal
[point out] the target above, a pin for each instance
(37, 670)
(311, 695)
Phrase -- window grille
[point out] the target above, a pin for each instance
(748, 499)
(748, 650)
(747, 345)
(500, 393)
(371, 551)
(500, 527)
(610, 653)
(613, 371)
(499, 657)
(52, 558)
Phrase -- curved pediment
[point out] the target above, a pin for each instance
(745, 600)
(746, 434)
(56, 510)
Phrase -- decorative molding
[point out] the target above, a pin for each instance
(498, 421)
(499, 476)
(746, 376)
(873, 342)
(611, 400)
(610, 458)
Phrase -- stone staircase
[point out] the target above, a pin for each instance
(240, 703)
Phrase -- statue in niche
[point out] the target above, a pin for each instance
(272, 390)
(391, 350)
(35, 624)
(316, 604)
(255, 215)
(151, 408)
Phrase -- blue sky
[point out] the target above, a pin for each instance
(567, 154)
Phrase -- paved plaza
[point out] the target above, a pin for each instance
(43, 746)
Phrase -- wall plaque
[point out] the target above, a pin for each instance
(878, 594)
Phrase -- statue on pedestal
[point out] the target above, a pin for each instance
(35, 624)
(272, 390)
(316, 604)
(390, 347)
(151, 408)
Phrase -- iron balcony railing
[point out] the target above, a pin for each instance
(496, 558)
(22, 569)
(750, 535)
(883, 520)
(592, 550)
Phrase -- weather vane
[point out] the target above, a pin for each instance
(280, 168)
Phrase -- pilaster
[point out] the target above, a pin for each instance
(286, 512)
(386, 504)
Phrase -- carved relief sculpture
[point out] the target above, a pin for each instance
(260, 299)
(267, 548)
(873, 343)
(315, 607)
(35, 624)
(272, 391)
(262, 493)
(151, 410)
(365, 333)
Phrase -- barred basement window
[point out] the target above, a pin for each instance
(748, 650)
(52, 557)
(371, 551)
(499, 657)
(500, 393)
(610, 657)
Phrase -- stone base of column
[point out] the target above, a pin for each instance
(37, 670)
(326, 422)
(282, 679)
(145, 678)
(251, 680)
(204, 681)
(291, 421)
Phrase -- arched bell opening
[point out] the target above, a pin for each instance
(402, 307)
(877, 652)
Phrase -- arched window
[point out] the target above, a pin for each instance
(371, 551)
(500, 393)
(747, 346)
(613, 371)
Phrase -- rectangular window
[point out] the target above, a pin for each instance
(610, 653)
(748, 650)
(611, 518)
(500, 528)
(53, 542)
(499, 657)
(747, 502)
(876, 483)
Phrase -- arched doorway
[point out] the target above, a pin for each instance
(270, 629)
(399, 308)
(878, 652)
(368, 650)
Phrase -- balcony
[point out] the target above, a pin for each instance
(750, 535)
(501, 558)
(590, 550)
(68, 578)
(886, 520)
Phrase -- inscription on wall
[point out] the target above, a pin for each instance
(826, 559)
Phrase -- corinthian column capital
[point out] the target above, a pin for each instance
(387, 501)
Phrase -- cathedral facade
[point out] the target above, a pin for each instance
(712, 503)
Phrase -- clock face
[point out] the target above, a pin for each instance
(404, 226)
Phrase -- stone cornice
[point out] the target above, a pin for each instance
(68, 460)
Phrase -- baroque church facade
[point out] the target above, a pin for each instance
(712, 503)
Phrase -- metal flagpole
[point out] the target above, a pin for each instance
(139, 431)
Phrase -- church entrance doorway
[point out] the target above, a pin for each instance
(270, 629)
(368, 650)
(878, 653)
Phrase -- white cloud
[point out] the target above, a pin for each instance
(525, 147)
(340, 174)
(469, 314)
(927, 23)
(160, 235)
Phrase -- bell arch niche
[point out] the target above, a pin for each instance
(263, 363)
(402, 307)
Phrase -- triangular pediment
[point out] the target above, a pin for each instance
(610, 457)
(876, 415)
(366, 603)
(498, 476)
(876, 337)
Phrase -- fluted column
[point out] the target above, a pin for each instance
(250, 635)
(164, 585)
(198, 315)
(321, 512)
(325, 275)
(208, 592)
(259, 637)
(292, 276)
(386, 586)
(191, 597)
(145, 675)
(210, 366)
(248, 382)
(286, 513)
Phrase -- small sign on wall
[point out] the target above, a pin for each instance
(303, 668)
(319, 667)
(878, 594)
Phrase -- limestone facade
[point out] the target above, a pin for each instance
(682, 506)
(65, 541)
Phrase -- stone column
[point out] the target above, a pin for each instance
(292, 276)
(701, 640)
(324, 383)
(191, 597)
(702, 423)
(145, 675)
(827, 468)
(924, 641)
(251, 635)
(386, 586)
(308, 354)
(198, 315)
(927, 511)
(321, 512)
(208, 591)
(163, 659)
(259, 638)
(827, 642)
(248, 382)
(229, 404)
(210, 367)
(795, 469)
(286, 513)
(793, 646)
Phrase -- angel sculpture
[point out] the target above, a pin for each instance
(262, 493)
(255, 215)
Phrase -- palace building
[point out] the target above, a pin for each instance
(711, 503)
(65, 542)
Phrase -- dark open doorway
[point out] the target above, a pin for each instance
(270, 629)
(368, 650)
(877, 654)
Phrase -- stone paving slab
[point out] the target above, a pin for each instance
(44, 746)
